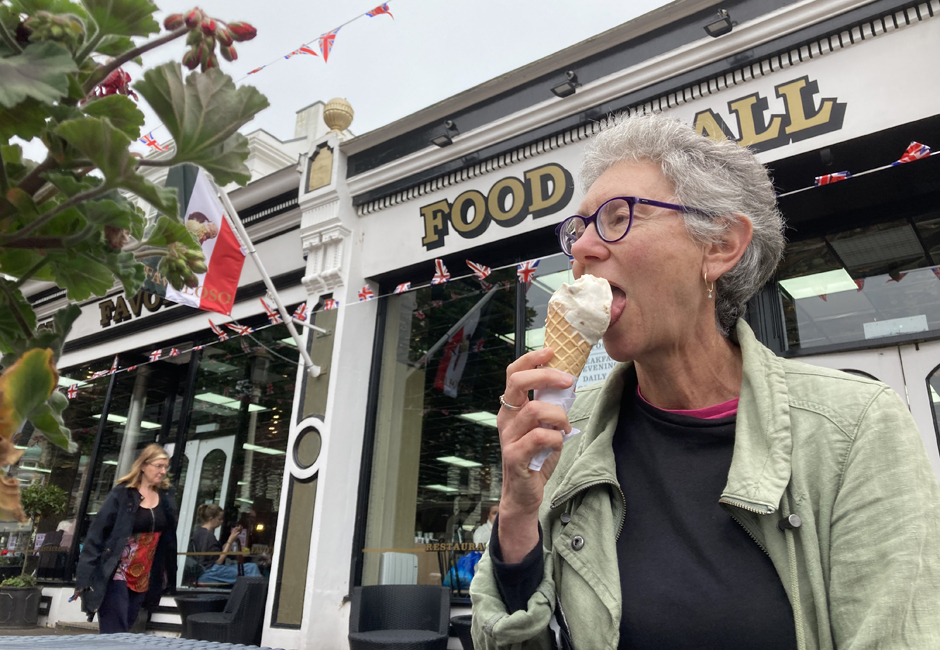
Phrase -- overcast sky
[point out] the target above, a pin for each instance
(387, 68)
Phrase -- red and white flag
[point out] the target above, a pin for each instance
(207, 222)
(173, 352)
(326, 43)
(403, 287)
(366, 293)
(301, 312)
(303, 49)
(241, 330)
(479, 270)
(155, 355)
(218, 331)
(273, 317)
(441, 274)
(329, 304)
(72, 392)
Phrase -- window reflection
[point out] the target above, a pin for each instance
(437, 467)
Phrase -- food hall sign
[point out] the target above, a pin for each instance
(540, 192)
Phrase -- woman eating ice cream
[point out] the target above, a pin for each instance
(717, 496)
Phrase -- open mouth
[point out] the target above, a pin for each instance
(618, 304)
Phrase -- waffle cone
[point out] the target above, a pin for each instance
(571, 350)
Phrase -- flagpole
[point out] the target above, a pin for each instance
(312, 369)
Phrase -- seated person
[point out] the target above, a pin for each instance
(482, 534)
(204, 541)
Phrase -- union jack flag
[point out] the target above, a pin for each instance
(440, 273)
(329, 304)
(437, 303)
(173, 352)
(131, 368)
(479, 270)
(301, 312)
(72, 392)
(241, 330)
(155, 355)
(257, 70)
(273, 317)
(403, 287)
(326, 44)
(365, 293)
(303, 49)
(478, 346)
(245, 347)
(419, 315)
(526, 271)
(378, 11)
(199, 347)
(114, 365)
(915, 151)
(99, 374)
(151, 142)
(835, 177)
(218, 331)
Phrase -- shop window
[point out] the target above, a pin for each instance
(236, 442)
(436, 463)
(862, 284)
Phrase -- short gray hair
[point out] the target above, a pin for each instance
(718, 177)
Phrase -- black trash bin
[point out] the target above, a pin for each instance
(461, 625)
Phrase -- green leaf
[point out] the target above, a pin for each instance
(26, 120)
(226, 162)
(69, 185)
(167, 231)
(81, 275)
(202, 114)
(120, 110)
(25, 385)
(128, 270)
(107, 148)
(123, 17)
(16, 262)
(13, 160)
(52, 6)
(49, 421)
(52, 338)
(41, 72)
(10, 329)
(117, 212)
(115, 46)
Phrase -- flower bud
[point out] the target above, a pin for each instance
(173, 21)
(203, 54)
(115, 237)
(223, 36)
(228, 52)
(195, 37)
(191, 59)
(213, 62)
(208, 27)
(242, 31)
(210, 43)
(194, 17)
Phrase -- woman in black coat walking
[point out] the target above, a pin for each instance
(129, 555)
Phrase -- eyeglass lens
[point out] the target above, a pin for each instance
(613, 222)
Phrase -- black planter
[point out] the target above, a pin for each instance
(19, 606)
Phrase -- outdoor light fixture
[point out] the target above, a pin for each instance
(567, 88)
(721, 26)
(445, 137)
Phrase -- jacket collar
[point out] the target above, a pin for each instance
(760, 466)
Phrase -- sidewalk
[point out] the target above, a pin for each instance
(51, 639)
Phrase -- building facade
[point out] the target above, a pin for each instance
(383, 466)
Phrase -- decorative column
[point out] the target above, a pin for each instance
(313, 548)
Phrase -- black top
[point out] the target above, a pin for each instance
(203, 542)
(149, 520)
(691, 577)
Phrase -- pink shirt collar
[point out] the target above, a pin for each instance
(723, 410)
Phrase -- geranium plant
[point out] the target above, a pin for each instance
(67, 218)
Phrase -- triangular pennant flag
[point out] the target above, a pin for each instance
(218, 331)
(301, 312)
(915, 151)
(403, 287)
(829, 179)
(72, 392)
(366, 293)
(479, 270)
(155, 355)
(257, 70)
(326, 43)
(526, 271)
(382, 9)
(241, 330)
(329, 304)
(303, 49)
(273, 317)
(440, 273)
(151, 142)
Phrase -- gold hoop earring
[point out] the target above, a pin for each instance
(711, 289)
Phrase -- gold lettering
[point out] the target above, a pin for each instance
(710, 125)
(747, 110)
(793, 97)
(152, 301)
(458, 212)
(106, 307)
(121, 312)
(548, 200)
(435, 224)
(495, 199)
(137, 303)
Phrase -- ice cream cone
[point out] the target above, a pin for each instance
(571, 350)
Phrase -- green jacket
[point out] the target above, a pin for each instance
(841, 451)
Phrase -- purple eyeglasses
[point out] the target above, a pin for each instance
(612, 220)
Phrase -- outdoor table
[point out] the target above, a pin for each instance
(198, 604)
